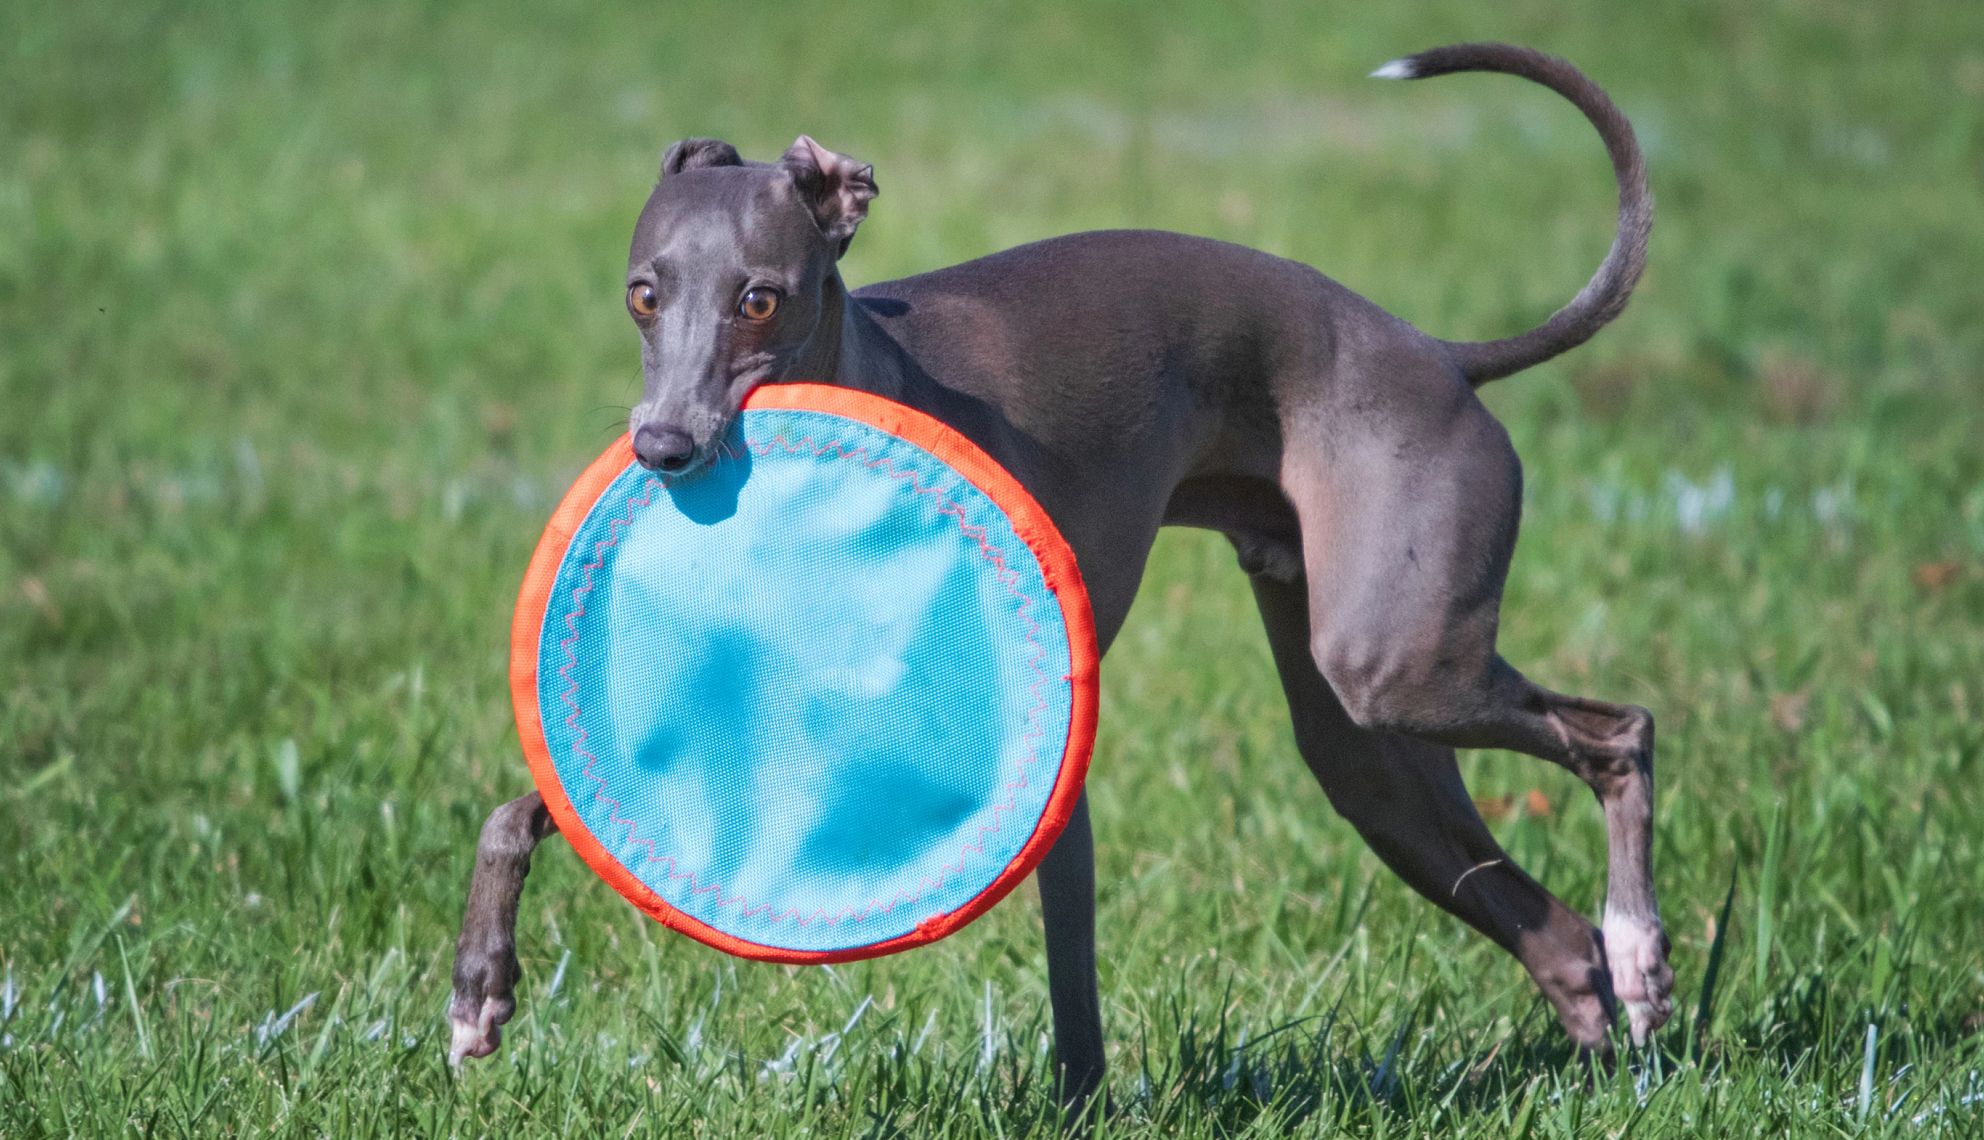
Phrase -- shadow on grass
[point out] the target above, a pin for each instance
(1226, 1082)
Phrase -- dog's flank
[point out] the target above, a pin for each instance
(1133, 380)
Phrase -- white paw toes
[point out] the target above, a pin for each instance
(1636, 954)
(477, 1035)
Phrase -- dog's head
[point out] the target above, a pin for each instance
(727, 281)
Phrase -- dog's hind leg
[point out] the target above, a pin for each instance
(1408, 509)
(486, 970)
(1405, 797)
(1067, 903)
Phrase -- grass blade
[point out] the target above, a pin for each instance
(1867, 1073)
(137, 1011)
(1705, 1008)
(1767, 894)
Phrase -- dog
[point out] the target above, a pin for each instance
(1132, 380)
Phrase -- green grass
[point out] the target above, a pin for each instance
(308, 312)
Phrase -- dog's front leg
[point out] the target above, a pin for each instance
(486, 969)
(1067, 904)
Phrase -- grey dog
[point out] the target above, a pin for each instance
(1132, 380)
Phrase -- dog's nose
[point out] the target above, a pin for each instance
(663, 448)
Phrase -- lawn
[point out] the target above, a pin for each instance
(309, 312)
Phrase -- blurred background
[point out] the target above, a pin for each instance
(309, 312)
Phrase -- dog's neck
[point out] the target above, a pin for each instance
(848, 348)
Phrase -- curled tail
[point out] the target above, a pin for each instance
(1605, 294)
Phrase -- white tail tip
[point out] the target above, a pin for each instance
(1397, 69)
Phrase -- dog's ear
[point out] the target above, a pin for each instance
(693, 154)
(835, 187)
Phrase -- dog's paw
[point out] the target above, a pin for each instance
(484, 998)
(476, 1031)
(1636, 954)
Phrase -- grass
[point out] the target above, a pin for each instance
(308, 312)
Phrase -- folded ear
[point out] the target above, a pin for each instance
(692, 154)
(835, 187)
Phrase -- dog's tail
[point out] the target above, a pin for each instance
(1605, 294)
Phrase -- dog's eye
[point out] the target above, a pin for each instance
(642, 300)
(758, 304)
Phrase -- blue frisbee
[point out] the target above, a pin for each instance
(829, 697)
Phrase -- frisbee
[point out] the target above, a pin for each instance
(828, 697)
